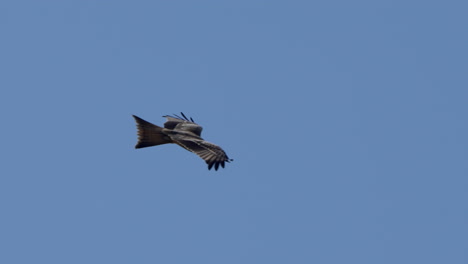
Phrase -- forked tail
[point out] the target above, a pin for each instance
(149, 134)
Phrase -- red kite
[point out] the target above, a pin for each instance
(185, 133)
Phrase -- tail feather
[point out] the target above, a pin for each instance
(149, 134)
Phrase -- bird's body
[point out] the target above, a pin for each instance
(183, 132)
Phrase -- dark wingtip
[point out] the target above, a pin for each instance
(186, 118)
(210, 165)
(182, 117)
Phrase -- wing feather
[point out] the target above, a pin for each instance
(212, 154)
(179, 123)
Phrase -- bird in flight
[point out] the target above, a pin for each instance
(183, 132)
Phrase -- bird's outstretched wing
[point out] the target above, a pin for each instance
(211, 153)
(182, 123)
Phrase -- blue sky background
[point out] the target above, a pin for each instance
(347, 121)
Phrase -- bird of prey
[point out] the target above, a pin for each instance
(183, 132)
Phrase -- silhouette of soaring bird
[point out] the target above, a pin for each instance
(183, 132)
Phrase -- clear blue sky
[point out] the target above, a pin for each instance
(347, 121)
